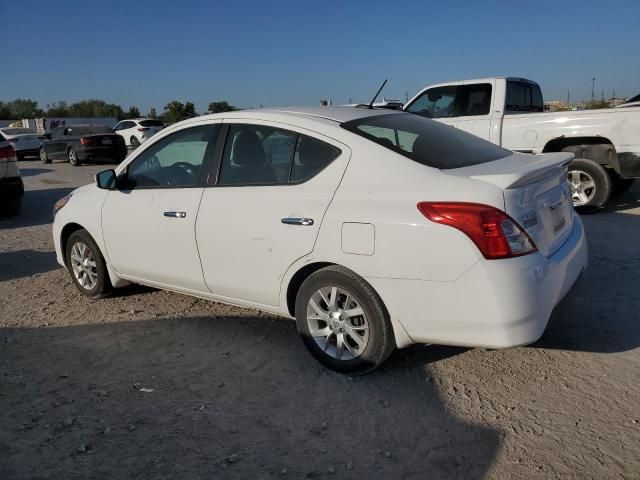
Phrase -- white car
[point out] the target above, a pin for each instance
(25, 141)
(11, 186)
(374, 229)
(137, 130)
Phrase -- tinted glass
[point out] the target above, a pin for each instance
(427, 142)
(438, 102)
(473, 99)
(174, 161)
(257, 155)
(90, 130)
(311, 157)
(523, 97)
(151, 123)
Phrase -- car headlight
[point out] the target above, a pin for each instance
(61, 203)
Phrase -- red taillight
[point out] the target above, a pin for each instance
(8, 153)
(143, 129)
(88, 141)
(495, 233)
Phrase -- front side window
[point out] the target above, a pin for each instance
(174, 161)
(259, 155)
(427, 142)
(473, 100)
(438, 102)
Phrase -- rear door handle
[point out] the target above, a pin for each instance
(297, 221)
(175, 214)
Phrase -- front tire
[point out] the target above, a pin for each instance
(343, 322)
(73, 157)
(590, 184)
(44, 158)
(86, 265)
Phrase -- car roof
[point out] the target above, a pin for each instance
(338, 114)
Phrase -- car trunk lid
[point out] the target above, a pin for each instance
(536, 194)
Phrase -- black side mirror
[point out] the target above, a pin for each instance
(106, 179)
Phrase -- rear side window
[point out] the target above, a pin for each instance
(425, 141)
(260, 155)
(90, 130)
(523, 97)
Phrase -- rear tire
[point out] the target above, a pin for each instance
(86, 265)
(44, 158)
(343, 322)
(135, 143)
(73, 157)
(590, 184)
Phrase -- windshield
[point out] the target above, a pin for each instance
(426, 141)
(91, 129)
(18, 131)
(151, 123)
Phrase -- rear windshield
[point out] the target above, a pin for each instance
(426, 141)
(18, 131)
(151, 123)
(89, 130)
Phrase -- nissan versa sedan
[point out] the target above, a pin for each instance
(374, 229)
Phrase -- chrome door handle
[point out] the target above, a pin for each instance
(175, 214)
(297, 221)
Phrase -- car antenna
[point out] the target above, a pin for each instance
(378, 93)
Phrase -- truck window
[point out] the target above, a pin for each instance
(523, 97)
(453, 101)
(438, 102)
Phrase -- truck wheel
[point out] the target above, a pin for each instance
(590, 184)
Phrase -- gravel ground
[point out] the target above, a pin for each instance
(151, 384)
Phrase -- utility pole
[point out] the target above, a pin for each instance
(593, 87)
(406, 97)
(568, 98)
(602, 95)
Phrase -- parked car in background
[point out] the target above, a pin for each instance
(136, 131)
(373, 228)
(631, 102)
(11, 186)
(26, 142)
(509, 112)
(83, 143)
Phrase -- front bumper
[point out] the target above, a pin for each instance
(495, 304)
(11, 188)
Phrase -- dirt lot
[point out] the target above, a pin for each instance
(235, 394)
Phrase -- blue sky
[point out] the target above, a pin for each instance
(146, 53)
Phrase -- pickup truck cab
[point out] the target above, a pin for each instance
(509, 112)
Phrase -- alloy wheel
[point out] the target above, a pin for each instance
(583, 187)
(84, 266)
(337, 323)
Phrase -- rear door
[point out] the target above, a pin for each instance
(264, 208)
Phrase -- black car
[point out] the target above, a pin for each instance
(83, 143)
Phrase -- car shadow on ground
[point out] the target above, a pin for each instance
(37, 208)
(25, 263)
(32, 172)
(603, 316)
(233, 397)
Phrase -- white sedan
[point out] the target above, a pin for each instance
(25, 141)
(374, 229)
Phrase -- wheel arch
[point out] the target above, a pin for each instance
(402, 338)
(66, 232)
(597, 149)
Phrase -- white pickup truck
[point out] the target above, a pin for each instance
(509, 112)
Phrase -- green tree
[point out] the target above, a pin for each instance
(595, 104)
(222, 106)
(152, 113)
(133, 113)
(19, 108)
(175, 111)
(59, 109)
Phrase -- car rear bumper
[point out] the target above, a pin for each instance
(110, 152)
(11, 188)
(495, 304)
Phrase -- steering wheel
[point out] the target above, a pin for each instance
(181, 173)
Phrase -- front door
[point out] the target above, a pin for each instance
(274, 186)
(149, 222)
